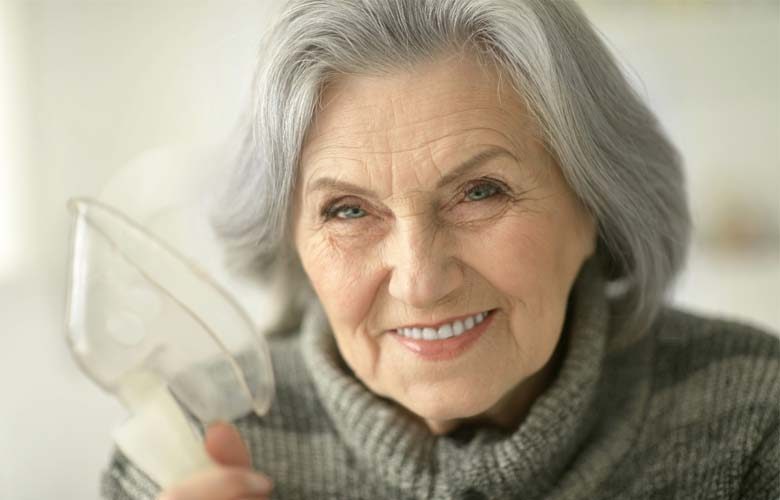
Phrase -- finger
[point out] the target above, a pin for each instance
(220, 483)
(225, 445)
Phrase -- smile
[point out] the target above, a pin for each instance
(445, 331)
(447, 342)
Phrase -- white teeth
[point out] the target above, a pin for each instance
(457, 327)
(445, 332)
(453, 329)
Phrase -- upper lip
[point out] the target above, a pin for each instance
(444, 322)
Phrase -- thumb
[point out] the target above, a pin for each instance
(225, 446)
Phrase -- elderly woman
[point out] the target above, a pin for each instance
(476, 220)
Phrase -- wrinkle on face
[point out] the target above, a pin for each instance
(362, 143)
(420, 254)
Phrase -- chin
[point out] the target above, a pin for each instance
(449, 405)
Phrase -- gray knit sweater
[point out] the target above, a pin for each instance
(689, 410)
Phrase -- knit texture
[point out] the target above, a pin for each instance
(689, 410)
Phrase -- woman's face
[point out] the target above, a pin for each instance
(425, 198)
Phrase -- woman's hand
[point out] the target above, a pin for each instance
(233, 477)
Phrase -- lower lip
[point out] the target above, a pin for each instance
(440, 350)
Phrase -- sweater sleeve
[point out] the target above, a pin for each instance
(762, 480)
(122, 480)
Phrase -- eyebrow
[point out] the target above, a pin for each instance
(323, 183)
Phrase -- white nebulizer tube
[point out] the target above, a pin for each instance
(158, 437)
(157, 332)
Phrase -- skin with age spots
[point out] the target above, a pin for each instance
(426, 195)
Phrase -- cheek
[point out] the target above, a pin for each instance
(518, 257)
(524, 266)
(346, 277)
(340, 276)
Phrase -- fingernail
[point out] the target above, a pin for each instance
(260, 484)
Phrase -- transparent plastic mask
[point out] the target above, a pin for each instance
(139, 314)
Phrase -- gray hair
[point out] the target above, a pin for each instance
(610, 147)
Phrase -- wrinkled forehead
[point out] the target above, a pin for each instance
(411, 109)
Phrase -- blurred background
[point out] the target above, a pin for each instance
(89, 89)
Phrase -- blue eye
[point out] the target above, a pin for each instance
(482, 191)
(344, 212)
(350, 212)
(477, 192)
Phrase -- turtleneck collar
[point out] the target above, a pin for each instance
(528, 461)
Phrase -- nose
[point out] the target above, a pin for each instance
(425, 270)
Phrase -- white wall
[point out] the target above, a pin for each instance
(12, 134)
(113, 79)
(101, 82)
(106, 81)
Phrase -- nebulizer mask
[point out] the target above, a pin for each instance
(159, 333)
